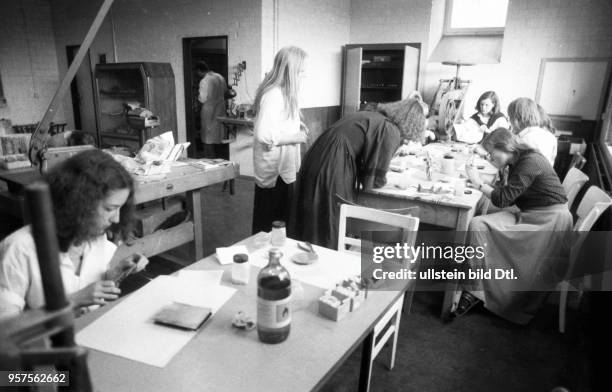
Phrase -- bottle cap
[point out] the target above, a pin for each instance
(278, 224)
(241, 258)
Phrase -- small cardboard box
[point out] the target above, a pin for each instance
(332, 307)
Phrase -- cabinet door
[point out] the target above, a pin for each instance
(554, 95)
(410, 78)
(587, 87)
(352, 81)
(573, 88)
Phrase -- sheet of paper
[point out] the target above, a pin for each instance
(128, 330)
(331, 267)
(468, 132)
(205, 278)
(226, 255)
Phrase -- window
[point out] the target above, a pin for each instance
(471, 17)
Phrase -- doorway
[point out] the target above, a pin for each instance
(81, 90)
(213, 51)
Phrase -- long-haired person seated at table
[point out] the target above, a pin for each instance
(488, 116)
(530, 241)
(533, 127)
(92, 196)
(354, 152)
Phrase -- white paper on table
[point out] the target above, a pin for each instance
(331, 267)
(128, 329)
(206, 278)
(226, 255)
(468, 132)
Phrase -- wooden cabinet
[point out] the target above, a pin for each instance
(375, 73)
(149, 84)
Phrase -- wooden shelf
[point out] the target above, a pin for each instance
(134, 95)
(115, 135)
(369, 66)
(381, 88)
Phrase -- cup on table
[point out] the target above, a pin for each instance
(448, 165)
(459, 187)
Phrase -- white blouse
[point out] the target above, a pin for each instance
(541, 140)
(269, 159)
(20, 281)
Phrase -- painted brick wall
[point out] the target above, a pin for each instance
(28, 60)
(321, 28)
(536, 29)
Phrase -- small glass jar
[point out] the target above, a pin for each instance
(278, 235)
(240, 269)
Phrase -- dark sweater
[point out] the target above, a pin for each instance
(494, 117)
(532, 182)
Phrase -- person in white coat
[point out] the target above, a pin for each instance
(211, 94)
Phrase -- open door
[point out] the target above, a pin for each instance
(410, 80)
(352, 81)
(81, 90)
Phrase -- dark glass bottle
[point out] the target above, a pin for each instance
(273, 300)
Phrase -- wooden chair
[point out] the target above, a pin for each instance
(572, 183)
(388, 325)
(578, 161)
(593, 204)
(357, 226)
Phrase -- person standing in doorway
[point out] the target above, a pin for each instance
(211, 95)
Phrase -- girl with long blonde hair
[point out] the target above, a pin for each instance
(278, 135)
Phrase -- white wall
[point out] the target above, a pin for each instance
(28, 60)
(71, 21)
(536, 29)
(392, 21)
(321, 28)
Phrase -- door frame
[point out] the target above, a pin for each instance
(74, 90)
(188, 83)
(602, 99)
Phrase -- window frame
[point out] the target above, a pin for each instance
(469, 30)
(3, 102)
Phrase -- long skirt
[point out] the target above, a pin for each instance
(328, 169)
(534, 244)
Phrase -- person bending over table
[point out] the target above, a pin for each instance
(278, 135)
(527, 119)
(508, 236)
(353, 153)
(92, 196)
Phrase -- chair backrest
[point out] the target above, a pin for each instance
(593, 204)
(414, 211)
(407, 224)
(572, 183)
(578, 161)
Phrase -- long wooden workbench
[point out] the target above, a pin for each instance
(187, 178)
